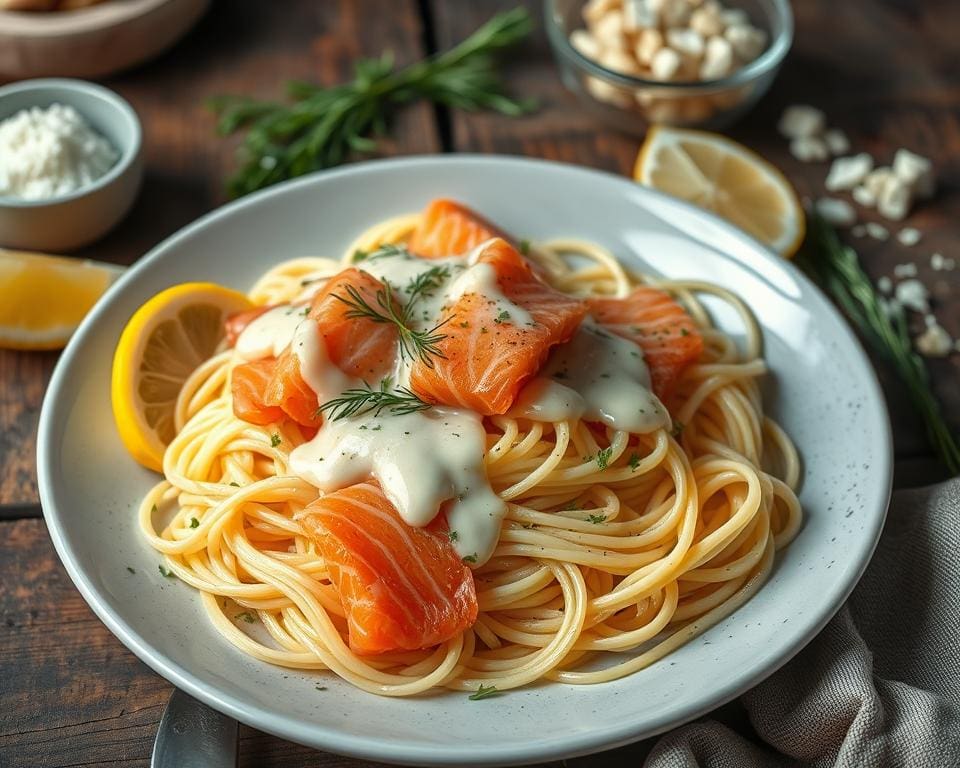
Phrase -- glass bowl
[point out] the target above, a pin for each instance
(633, 103)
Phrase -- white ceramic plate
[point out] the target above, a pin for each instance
(822, 389)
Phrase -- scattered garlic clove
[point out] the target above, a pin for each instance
(717, 59)
(909, 236)
(809, 149)
(934, 341)
(609, 30)
(915, 171)
(837, 212)
(837, 141)
(748, 42)
(648, 43)
(801, 121)
(586, 44)
(913, 294)
(895, 199)
(686, 42)
(848, 172)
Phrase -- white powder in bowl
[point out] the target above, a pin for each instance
(50, 152)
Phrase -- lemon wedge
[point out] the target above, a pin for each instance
(725, 177)
(43, 298)
(162, 344)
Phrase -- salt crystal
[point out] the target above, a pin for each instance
(936, 261)
(864, 196)
(905, 270)
(877, 231)
(895, 199)
(858, 231)
(913, 294)
(885, 284)
(909, 236)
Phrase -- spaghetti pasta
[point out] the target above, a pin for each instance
(601, 568)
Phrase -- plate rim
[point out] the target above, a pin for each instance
(325, 737)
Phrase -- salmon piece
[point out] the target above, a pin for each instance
(450, 229)
(668, 336)
(402, 588)
(237, 323)
(358, 346)
(487, 362)
(248, 384)
(268, 390)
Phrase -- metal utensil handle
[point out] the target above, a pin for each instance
(192, 735)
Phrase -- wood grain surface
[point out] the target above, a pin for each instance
(70, 693)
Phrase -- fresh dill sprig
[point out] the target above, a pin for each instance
(363, 400)
(603, 457)
(323, 127)
(884, 326)
(424, 284)
(420, 345)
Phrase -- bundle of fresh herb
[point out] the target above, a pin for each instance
(883, 325)
(324, 126)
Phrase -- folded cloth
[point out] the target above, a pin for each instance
(880, 685)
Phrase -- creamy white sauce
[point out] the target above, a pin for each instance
(269, 334)
(598, 376)
(316, 368)
(482, 279)
(421, 460)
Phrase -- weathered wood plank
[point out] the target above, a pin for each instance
(906, 97)
(242, 47)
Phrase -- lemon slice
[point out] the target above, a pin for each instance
(723, 176)
(162, 344)
(43, 298)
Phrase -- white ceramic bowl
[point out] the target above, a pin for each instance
(821, 388)
(70, 221)
(95, 41)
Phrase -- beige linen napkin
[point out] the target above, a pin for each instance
(880, 685)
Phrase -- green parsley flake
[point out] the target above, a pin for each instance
(321, 687)
(677, 429)
(359, 256)
(245, 616)
(275, 440)
(684, 332)
(130, 569)
(603, 457)
(235, 484)
(470, 558)
(634, 461)
(503, 317)
(596, 519)
(194, 523)
(167, 574)
(525, 247)
(484, 692)
(453, 535)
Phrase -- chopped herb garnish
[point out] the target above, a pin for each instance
(596, 518)
(305, 311)
(245, 616)
(130, 569)
(453, 535)
(464, 324)
(677, 429)
(604, 375)
(502, 317)
(525, 247)
(483, 329)
(561, 375)
(307, 281)
(420, 345)
(571, 507)
(634, 461)
(275, 440)
(377, 428)
(361, 400)
(194, 523)
(684, 332)
(359, 255)
(484, 692)
(153, 509)
(321, 687)
(235, 484)
(603, 457)
(426, 282)
(470, 558)
(167, 574)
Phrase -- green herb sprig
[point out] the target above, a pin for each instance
(484, 692)
(884, 326)
(363, 400)
(323, 127)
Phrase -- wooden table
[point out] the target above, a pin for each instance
(883, 70)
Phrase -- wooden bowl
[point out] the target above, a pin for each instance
(93, 41)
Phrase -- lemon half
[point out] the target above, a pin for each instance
(162, 344)
(724, 176)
